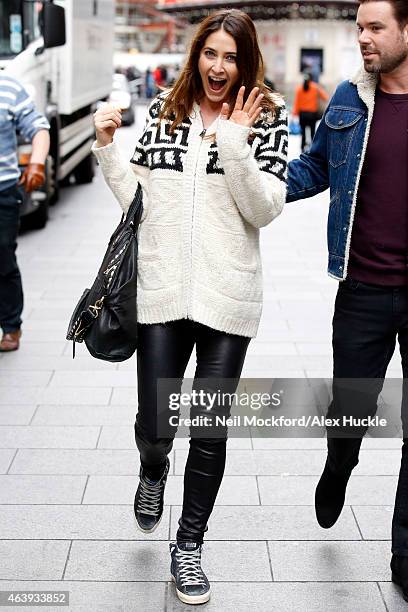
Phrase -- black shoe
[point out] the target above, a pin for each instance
(192, 586)
(330, 495)
(149, 497)
(399, 569)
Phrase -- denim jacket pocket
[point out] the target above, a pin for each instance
(342, 124)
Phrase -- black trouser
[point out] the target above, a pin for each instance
(163, 352)
(367, 320)
(11, 291)
(307, 120)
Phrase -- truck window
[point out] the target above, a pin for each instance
(19, 25)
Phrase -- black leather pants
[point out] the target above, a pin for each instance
(163, 352)
(367, 321)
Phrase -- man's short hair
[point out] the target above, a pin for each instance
(400, 8)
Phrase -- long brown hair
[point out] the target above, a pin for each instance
(188, 88)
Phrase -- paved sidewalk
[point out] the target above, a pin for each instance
(68, 464)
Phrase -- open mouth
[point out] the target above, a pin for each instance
(216, 84)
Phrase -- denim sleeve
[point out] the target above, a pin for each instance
(27, 119)
(308, 175)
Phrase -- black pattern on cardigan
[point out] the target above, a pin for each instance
(159, 149)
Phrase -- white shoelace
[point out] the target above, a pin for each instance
(149, 500)
(190, 567)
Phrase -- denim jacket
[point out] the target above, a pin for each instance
(335, 160)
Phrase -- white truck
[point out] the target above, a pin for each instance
(62, 52)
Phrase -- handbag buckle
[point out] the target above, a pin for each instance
(94, 308)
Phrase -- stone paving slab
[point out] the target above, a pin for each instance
(125, 395)
(299, 490)
(393, 597)
(79, 522)
(53, 313)
(378, 462)
(374, 521)
(279, 597)
(330, 561)
(32, 560)
(6, 456)
(84, 415)
(96, 378)
(55, 395)
(99, 596)
(234, 490)
(59, 489)
(272, 523)
(25, 378)
(26, 361)
(16, 415)
(130, 561)
(43, 349)
(48, 437)
(56, 461)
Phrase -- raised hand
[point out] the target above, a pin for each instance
(106, 120)
(244, 114)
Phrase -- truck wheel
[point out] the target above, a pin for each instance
(37, 219)
(85, 171)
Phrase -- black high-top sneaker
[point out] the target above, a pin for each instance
(192, 586)
(149, 498)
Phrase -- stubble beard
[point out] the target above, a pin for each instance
(387, 62)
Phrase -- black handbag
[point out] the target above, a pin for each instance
(105, 317)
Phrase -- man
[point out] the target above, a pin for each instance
(17, 112)
(361, 152)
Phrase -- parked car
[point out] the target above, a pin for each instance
(121, 96)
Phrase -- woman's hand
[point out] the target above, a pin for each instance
(106, 120)
(244, 114)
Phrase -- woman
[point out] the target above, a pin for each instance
(306, 105)
(212, 164)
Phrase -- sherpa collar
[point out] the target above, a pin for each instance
(366, 83)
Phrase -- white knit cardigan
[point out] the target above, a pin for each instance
(204, 202)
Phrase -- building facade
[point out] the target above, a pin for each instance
(317, 36)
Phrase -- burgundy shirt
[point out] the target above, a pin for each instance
(379, 241)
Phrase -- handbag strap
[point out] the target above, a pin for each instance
(134, 213)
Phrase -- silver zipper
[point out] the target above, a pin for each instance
(192, 231)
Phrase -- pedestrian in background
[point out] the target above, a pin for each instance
(212, 162)
(306, 106)
(158, 76)
(150, 85)
(17, 112)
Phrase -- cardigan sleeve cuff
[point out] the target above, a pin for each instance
(232, 140)
(105, 154)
